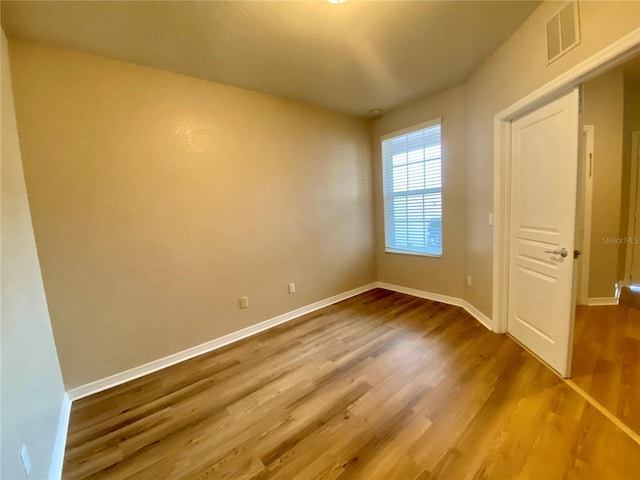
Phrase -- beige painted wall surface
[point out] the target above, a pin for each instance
(515, 70)
(31, 388)
(443, 275)
(604, 109)
(631, 123)
(158, 200)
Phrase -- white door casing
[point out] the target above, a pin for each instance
(586, 209)
(609, 57)
(544, 164)
(632, 263)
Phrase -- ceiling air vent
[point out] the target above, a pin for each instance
(563, 31)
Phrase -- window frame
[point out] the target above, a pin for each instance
(398, 133)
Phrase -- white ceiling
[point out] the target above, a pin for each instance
(350, 57)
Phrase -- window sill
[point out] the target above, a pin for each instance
(409, 252)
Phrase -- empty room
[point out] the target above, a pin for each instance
(336, 239)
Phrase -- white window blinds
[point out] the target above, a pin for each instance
(412, 181)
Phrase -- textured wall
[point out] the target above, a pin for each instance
(603, 108)
(515, 70)
(631, 124)
(159, 199)
(30, 380)
(443, 275)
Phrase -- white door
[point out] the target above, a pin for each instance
(544, 164)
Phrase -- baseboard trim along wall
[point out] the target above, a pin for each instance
(436, 297)
(594, 301)
(142, 370)
(57, 457)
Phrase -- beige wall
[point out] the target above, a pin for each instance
(631, 123)
(142, 234)
(31, 389)
(158, 200)
(443, 275)
(603, 108)
(515, 70)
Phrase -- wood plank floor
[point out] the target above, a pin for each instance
(380, 386)
(606, 358)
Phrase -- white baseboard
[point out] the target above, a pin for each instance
(57, 458)
(593, 301)
(142, 370)
(436, 297)
(477, 314)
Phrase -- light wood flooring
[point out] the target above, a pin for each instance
(606, 358)
(380, 386)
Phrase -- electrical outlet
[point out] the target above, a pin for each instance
(468, 280)
(244, 302)
(26, 463)
(292, 288)
(491, 219)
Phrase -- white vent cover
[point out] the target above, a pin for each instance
(563, 31)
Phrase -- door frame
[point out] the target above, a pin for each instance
(633, 194)
(609, 57)
(588, 159)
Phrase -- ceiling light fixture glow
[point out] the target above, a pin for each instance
(336, 1)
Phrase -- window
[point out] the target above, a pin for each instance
(412, 181)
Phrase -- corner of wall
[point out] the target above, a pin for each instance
(34, 409)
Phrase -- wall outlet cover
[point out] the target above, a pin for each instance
(244, 302)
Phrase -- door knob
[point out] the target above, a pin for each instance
(563, 252)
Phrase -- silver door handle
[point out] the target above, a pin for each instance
(563, 252)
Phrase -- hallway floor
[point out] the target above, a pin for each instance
(606, 358)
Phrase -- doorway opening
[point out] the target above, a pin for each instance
(606, 348)
(612, 56)
(609, 58)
